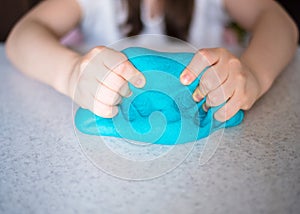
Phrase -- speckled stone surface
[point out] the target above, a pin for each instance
(43, 168)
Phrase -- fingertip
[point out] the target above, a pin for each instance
(205, 107)
(118, 100)
(129, 94)
(187, 77)
(220, 116)
(114, 111)
(196, 97)
(181, 76)
(139, 80)
(106, 111)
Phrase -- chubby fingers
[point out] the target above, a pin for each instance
(215, 61)
(113, 69)
(104, 78)
(234, 90)
(224, 81)
(201, 60)
(227, 92)
(118, 63)
(98, 98)
(233, 105)
(106, 101)
(221, 94)
(104, 110)
(229, 109)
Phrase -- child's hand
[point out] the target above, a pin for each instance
(100, 80)
(228, 79)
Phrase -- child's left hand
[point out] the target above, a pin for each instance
(228, 79)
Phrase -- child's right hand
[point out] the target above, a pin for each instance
(100, 79)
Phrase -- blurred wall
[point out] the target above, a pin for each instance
(293, 8)
(12, 10)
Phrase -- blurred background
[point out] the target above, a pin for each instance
(12, 10)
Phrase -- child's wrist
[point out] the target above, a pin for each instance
(65, 82)
(260, 76)
(264, 82)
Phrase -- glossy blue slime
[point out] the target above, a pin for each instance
(163, 112)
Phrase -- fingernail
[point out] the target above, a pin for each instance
(219, 117)
(205, 107)
(124, 90)
(197, 97)
(185, 79)
(139, 82)
(129, 94)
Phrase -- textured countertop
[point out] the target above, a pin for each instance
(253, 168)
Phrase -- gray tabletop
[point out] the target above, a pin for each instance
(253, 168)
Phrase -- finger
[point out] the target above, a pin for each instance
(115, 83)
(221, 94)
(118, 63)
(201, 60)
(229, 109)
(88, 58)
(205, 107)
(103, 110)
(131, 74)
(198, 95)
(214, 77)
(210, 81)
(107, 96)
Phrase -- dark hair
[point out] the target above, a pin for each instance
(177, 16)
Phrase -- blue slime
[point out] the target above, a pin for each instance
(162, 112)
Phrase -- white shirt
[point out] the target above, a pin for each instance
(102, 20)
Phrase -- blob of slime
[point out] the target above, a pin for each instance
(162, 112)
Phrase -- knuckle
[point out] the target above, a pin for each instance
(105, 111)
(115, 99)
(121, 68)
(96, 50)
(241, 77)
(247, 105)
(234, 61)
(87, 58)
(204, 85)
(211, 100)
(83, 65)
(113, 81)
(107, 96)
(242, 100)
(122, 56)
(239, 103)
(217, 76)
(124, 90)
(222, 50)
(204, 53)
